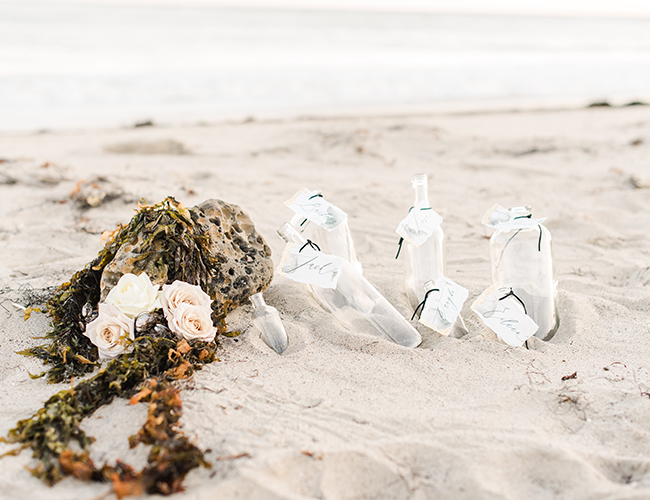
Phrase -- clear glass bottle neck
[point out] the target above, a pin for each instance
(258, 300)
(289, 234)
(298, 219)
(421, 195)
(521, 211)
(421, 188)
(429, 285)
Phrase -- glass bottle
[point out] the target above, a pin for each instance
(337, 242)
(267, 320)
(357, 304)
(521, 259)
(425, 262)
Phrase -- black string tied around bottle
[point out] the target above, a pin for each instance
(399, 246)
(309, 244)
(420, 307)
(513, 294)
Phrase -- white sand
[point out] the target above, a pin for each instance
(341, 415)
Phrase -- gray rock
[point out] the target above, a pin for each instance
(245, 266)
(245, 261)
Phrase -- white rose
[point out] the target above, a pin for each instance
(109, 331)
(192, 322)
(134, 294)
(180, 292)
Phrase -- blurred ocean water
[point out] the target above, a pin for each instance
(89, 65)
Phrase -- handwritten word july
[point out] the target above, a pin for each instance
(313, 265)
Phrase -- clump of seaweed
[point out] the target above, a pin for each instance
(179, 246)
(155, 359)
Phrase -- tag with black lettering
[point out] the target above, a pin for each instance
(310, 266)
(442, 307)
(504, 315)
(312, 206)
(419, 224)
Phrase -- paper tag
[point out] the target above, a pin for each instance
(504, 317)
(419, 224)
(501, 218)
(442, 308)
(310, 266)
(316, 209)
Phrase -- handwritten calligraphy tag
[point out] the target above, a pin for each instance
(501, 218)
(442, 308)
(504, 317)
(310, 266)
(419, 224)
(316, 209)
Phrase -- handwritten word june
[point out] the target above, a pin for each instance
(501, 314)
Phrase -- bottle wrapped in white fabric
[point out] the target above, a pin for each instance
(521, 259)
(333, 241)
(355, 302)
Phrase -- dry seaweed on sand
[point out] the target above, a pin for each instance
(171, 457)
(157, 356)
(173, 247)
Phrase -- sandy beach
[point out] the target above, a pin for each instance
(343, 415)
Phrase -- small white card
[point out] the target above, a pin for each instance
(501, 218)
(310, 266)
(419, 224)
(442, 308)
(313, 207)
(505, 317)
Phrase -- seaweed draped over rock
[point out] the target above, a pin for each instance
(213, 245)
(231, 261)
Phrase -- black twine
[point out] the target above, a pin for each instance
(513, 294)
(522, 305)
(310, 244)
(399, 248)
(420, 306)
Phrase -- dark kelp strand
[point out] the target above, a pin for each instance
(171, 244)
(158, 357)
